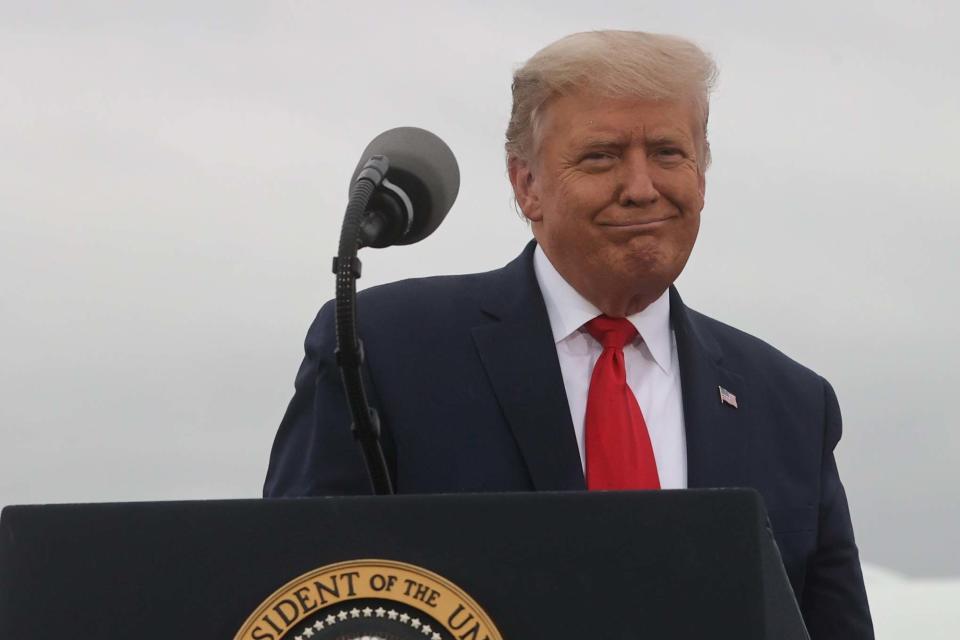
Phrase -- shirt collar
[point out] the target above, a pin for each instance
(568, 311)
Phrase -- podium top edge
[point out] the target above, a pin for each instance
(732, 493)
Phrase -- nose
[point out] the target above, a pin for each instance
(636, 183)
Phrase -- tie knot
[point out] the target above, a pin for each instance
(612, 333)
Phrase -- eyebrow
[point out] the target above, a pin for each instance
(602, 141)
(670, 138)
(656, 140)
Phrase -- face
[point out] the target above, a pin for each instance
(614, 194)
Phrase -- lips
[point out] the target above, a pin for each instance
(630, 224)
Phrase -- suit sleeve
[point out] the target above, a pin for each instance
(314, 452)
(834, 601)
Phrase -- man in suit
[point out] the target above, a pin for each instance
(577, 366)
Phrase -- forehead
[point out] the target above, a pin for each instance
(580, 117)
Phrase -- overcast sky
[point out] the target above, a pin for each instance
(172, 181)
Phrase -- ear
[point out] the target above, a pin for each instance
(525, 188)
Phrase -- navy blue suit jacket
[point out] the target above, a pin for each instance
(463, 371)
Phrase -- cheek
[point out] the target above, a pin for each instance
(694, 230)
(685, 192)
(583, 196)
(559, 205)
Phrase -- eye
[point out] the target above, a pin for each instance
(597, 157)
(668, 152)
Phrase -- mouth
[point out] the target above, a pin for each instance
(637, 225)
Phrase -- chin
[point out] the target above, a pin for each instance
(651, 267)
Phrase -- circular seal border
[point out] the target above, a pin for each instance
(435, 596)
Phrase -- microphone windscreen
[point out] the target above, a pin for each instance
(425, 168)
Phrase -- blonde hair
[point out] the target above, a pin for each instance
(619, 64)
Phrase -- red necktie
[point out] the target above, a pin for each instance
(619, 454)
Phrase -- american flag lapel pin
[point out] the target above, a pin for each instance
(727, 398)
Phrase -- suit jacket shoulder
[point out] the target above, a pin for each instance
(753, 357)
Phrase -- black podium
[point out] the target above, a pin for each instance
(607, 566)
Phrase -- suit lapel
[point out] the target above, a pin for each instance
(520, 357)
(717, 433)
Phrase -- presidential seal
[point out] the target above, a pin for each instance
(369, 600)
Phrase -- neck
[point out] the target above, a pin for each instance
(619, 304)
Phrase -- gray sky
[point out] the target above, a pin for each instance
(172, 181)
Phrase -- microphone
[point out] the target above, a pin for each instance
(403, 187)
(417, 180)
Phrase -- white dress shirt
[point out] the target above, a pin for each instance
(653, 370)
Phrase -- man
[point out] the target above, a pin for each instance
(577, 365)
